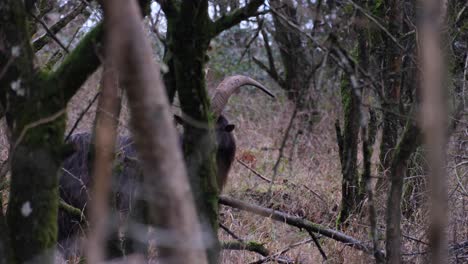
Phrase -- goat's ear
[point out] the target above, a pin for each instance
(178, 120)
(229, 127)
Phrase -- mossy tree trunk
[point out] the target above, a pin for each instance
(348, 156)
(35, 105)
(391, 59)
(33, 203)
(351, 97)
(189, 33)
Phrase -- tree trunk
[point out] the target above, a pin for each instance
(189, 33)
(352, 186)
(350, 183)
(294, 56)
(35, 115)
(188, 58)
(392, 61)
(37, 127)
(406, 146)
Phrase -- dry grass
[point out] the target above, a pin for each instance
(307, 183)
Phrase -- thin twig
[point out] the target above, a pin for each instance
(41, 41)
(50, 33)
(37, 123)
(275, 257)
(315, 193)
(374, 83)
(75, 125)
(317, 243)
(253, 170)
(280, 155)
(255, 36)
(227, 230)
(376, 22)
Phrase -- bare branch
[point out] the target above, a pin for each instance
(317, 243)
(233, 18)
(75, 125)
(283, 145)
(50, 33)
(249, 43)
(376, 22)
(272, 74)
(77, 66)
(41, 41)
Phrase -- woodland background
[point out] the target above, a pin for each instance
(353, 142)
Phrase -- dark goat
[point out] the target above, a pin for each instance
(76, 180)
(75, 183)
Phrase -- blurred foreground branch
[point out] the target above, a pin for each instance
(165, 187)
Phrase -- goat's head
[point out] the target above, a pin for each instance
(226, 143)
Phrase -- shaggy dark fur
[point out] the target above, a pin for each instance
(75, 180)
(75, 183)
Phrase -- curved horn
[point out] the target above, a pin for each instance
(230, 85)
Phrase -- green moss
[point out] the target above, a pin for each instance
(76, 67)
(345, 92)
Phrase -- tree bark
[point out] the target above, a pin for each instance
(189, 31)
(406, 146)
(35, 115)
(391, 74)
(350, 182)
(35, 154)
(294, 56)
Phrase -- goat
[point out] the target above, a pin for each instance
(76, 178)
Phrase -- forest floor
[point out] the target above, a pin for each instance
(307, 180)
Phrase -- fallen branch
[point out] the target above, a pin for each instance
(300, 223)
(246, 245)
(254, 247)
(274, 257)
